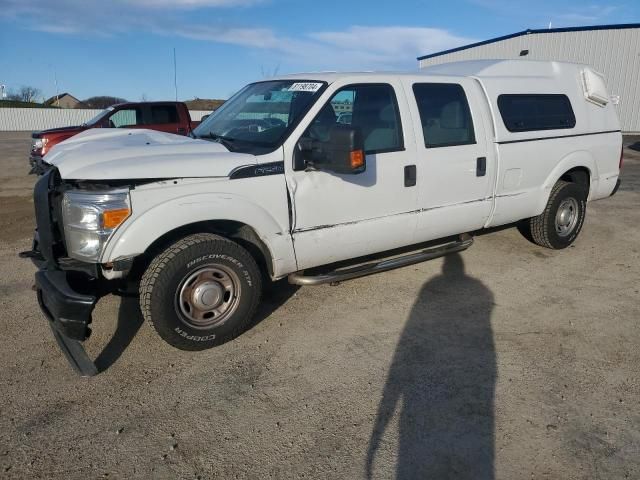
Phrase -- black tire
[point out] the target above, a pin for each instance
(195, 262)
(542, 230)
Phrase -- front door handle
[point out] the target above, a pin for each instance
(481, 166)
(410, 175)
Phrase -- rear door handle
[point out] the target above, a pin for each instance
(410, 175)
(481, 166)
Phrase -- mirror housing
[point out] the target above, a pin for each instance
(343, 152)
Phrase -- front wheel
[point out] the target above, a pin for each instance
(200, 292)
(560, 223)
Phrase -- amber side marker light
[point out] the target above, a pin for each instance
(357, 159)
(113, 218)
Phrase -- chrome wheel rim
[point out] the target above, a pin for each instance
(208, 296)
(566, 217)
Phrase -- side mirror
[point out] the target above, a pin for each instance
(343, 152)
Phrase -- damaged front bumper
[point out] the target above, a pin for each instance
(37, 165)
(69, 316)
(68, 311)
(67, 293)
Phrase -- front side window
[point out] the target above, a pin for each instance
(444, 114)
(531, 112)
(259, 117)
(127, 117)
(371, 107)
(99, 117)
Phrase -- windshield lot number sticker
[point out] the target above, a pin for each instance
(305, 87)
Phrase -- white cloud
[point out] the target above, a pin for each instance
(357, 47)
(559, 13)
(391, 43)
(190, 4)
(247, 37)
(591, 14)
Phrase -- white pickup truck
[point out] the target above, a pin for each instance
(320, 177)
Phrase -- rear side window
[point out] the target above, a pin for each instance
(444, 114)
(526, 113)
(163, 114)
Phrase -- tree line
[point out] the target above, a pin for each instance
(31, 94)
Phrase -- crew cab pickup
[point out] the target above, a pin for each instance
(170, 117)
(277, 184)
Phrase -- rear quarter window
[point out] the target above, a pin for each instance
(531, 112)
(163, 114)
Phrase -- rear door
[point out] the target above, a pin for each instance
(165, 118)
(455, 161)
(337, 216)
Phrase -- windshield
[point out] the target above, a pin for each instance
(98, 117)
(258, 117)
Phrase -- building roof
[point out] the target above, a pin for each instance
(203, 104)
(619, 26)
(58, 97)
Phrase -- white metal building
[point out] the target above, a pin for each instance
(30, 119)
(613, 50)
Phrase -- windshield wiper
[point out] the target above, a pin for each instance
(226, 141)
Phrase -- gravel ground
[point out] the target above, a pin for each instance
(507, 361)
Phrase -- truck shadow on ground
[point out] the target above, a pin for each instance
(442, 381)
(130, 320)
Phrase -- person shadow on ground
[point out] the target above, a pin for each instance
(442, 380)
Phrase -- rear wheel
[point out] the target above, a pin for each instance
(560, 223)
(200, 292)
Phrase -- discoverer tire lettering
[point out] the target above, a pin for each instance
(164, 280)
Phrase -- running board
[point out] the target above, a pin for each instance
(340, 275)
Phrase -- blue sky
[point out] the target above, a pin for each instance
(125, 47)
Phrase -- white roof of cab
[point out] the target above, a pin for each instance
(470, 68)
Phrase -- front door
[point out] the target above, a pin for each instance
(338, 216)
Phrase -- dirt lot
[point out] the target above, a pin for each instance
(508, 361)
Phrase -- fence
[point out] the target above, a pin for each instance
(32, 119)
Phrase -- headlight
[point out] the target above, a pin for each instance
(90, 219)
(38, 145)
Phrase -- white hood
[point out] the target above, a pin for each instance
(119, 154)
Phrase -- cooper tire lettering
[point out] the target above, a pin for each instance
(162, 286)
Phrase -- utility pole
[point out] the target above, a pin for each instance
(175, 73)
(55, 82)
